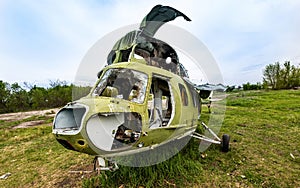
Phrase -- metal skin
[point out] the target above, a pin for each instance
(184, 118)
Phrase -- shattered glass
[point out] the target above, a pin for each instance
(124, 84)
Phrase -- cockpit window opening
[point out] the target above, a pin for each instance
(125, 84)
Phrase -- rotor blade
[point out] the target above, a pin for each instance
(210, 87)
(157, 17)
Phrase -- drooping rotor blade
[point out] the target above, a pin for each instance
(211, 87)
(157, 17)
(150, 24)
(206, 89)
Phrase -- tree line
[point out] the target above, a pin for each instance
(275, 76)
(14, 98)
(245, 87)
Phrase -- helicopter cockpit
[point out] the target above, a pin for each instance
(124, 84)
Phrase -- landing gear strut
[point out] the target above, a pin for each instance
(100, 164)
(224, 142)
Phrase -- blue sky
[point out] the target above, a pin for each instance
(46, 40)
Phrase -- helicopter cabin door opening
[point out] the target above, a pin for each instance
(160, 103)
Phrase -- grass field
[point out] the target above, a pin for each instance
(265, 152)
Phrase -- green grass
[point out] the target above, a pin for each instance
(34, 158)
(264, 127)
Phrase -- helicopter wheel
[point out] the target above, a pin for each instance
(225, 143)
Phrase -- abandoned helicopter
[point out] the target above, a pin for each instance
(142, 99)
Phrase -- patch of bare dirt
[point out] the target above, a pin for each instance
(19, 116)
(24, 115)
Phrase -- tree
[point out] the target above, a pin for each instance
(249, 86)
(38, 97)
(271, 75)
(59, 95)
(230, 88)
(4, 94)
(295, 77)
(286, 77)
(18, 99)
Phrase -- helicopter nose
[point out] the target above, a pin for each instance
(69, 118)
(67, 125)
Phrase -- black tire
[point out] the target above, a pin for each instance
(225, 143)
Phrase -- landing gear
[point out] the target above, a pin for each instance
(100, 164)
(224, 142)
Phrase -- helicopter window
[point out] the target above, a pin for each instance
(123, 83)
(183, 94)
(195, 98)
(195, 95)
(69, 118)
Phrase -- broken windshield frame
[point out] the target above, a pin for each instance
(123, 83)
